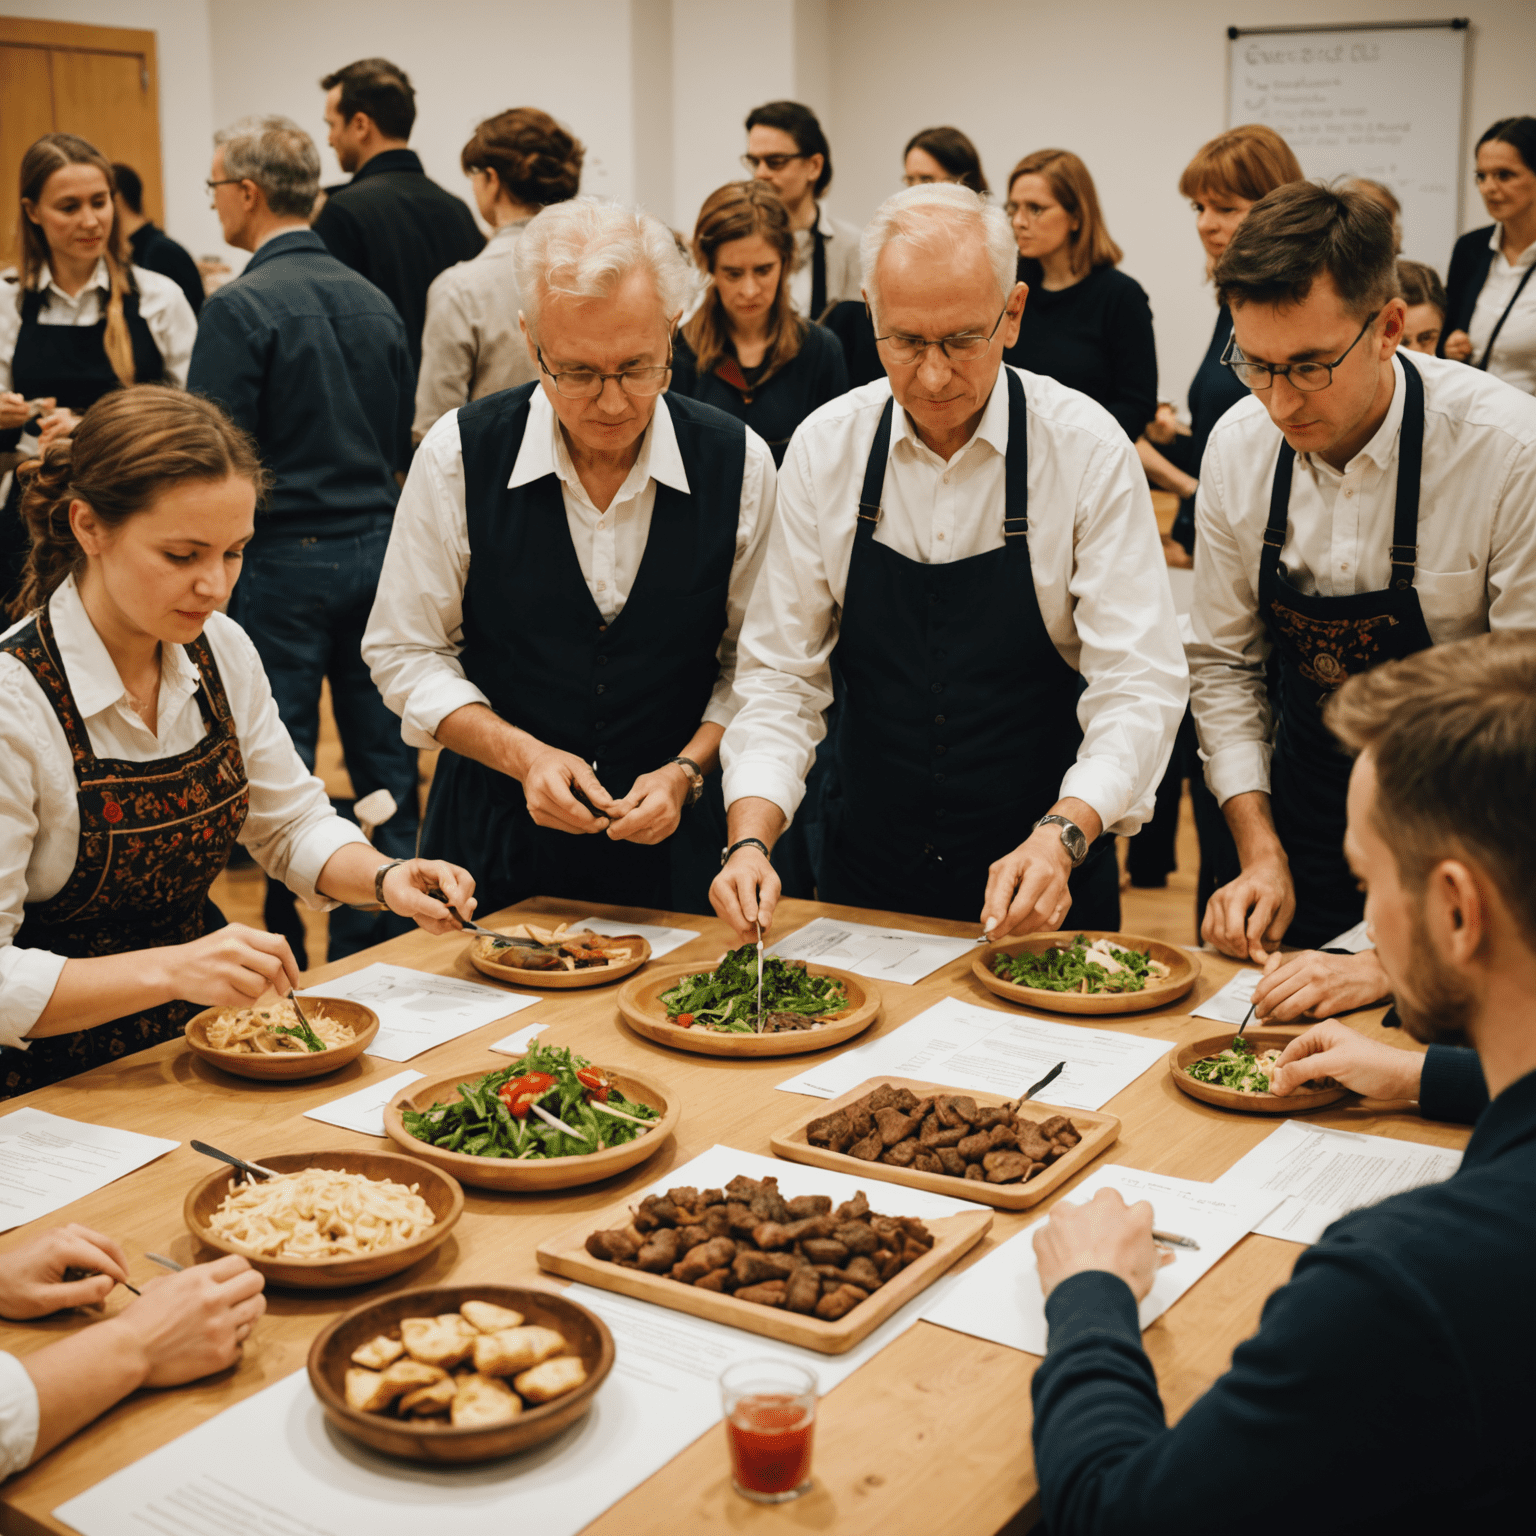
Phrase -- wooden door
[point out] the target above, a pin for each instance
(97, 82)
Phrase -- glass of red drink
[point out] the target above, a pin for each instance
(770, 1416)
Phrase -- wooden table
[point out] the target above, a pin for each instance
(913, 1441)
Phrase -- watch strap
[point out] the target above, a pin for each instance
(1070, 831)
(378, 880)
(743, 842)
(695, 777)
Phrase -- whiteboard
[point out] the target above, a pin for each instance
(1379, 102)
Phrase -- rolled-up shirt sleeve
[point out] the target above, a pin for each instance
(18, 1416)
(416, 629)
(1231, 646)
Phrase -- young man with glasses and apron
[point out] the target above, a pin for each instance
(564, 585)
(1364, 504)
(972, 549)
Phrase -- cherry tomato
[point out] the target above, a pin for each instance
(686, 1020)
(594, 1082)
(522, 1093)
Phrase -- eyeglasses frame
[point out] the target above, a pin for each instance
(603, 378)
(944, 342)
(1284, 369)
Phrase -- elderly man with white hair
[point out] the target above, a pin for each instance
(972, 549)
(566, 580)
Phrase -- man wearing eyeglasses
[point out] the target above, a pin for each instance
(565, 583)
(787, 148)
(972, 549)
(1358, 507)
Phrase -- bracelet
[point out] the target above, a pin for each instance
(378, 881)
(695, 777)
(743, 842)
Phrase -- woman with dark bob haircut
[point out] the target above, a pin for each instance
(943, 154)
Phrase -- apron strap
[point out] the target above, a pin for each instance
(818, 268)
(1410, 465)
(1279, 511)
(57, 691)
(868, 515)
(1498, 326)
(1016, 502)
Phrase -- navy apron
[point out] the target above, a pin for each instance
(959, 717)
(1321, 641)
(625, 696)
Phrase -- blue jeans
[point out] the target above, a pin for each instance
(304, 601)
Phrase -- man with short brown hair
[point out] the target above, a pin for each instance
(1389, 1384)
(1360, 506)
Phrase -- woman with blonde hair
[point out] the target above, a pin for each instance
(76, 317)
(746, 350)
(142, 742)
(1086, 324)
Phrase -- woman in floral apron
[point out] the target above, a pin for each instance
(141, 742)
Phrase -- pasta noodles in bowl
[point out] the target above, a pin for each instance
(321, 1213)
(268, 1040)
(273, 1030)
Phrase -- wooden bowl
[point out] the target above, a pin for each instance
(481, 950)
(642, 1010)
(439, 1190)
(1250, 1103)
(364, 1022)
(331, 1354)
(1098, 1130)
(535, 1174)
(1184, 971)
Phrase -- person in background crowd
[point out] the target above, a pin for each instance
(943, 154)
(787, 149)
(77, 319)
(312, 360)
(1086, 324)
(1379, 192)
(1409, 1311)
(149, 247)
(745, 350)
(1490, 313)
(517, 163)
(972, 548)
(142, 742)
(566, 580)
(390, 222)
(1367, 503)
(1225, 179)
(182, 1327)
(1424, 294)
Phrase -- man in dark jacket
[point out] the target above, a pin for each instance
(311, 359)
(390, 222)
(149, 247)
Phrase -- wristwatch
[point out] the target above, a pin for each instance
(743, 842)
(378, 880)
(1072, 837)
(695, 777)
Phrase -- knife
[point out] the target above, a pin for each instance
(235, 1162)
(758, 920)
(489, 933)
(1050, 1077)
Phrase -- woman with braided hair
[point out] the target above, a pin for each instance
(142, 742)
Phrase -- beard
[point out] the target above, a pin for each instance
(1434, 1005)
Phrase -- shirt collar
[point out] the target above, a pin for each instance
(1509, 1120)
(1382, 448)
(1496, 245)
(101, 279)
(286, 244)
(389, 160)
(544, 453)
(507, 234)
(89, 669)
(991, 430)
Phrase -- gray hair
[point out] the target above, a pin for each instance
(942, 216)
(278, 156)
(586, 247)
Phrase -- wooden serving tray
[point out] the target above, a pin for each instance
(291, 1064)
(555, 981)
(953, 1236)
(641, 1009)
(1183, 966)
(1297, 1103)
(1099, 1133)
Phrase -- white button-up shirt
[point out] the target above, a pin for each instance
(18, 1416)
(1477, 542)
(290, 830)
(1514, 353)
(1095, 557)
(844, 274)
(416, 630)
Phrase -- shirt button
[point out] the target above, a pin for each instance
(602, 586)
(1349, 493)
(938, 778)
(938, 719)
(941, 538)
(937, 688)
(599, 725)
(602, 661)
(940, 749)
(601, 688)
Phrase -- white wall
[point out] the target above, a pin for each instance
(186, 97)
(1133, 88)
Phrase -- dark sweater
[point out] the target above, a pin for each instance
(773, 409)
(155, 251)
(399, 229)
(1387, 1389)
(1471, 262)
(1095, 336)
(1213, 391)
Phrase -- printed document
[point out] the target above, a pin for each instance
(883, 954)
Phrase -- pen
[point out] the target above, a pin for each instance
(1174, 1240)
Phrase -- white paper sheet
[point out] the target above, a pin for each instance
(999, 1299)
(963, 1046)
(418, 1010)
(364, 1110)
(310, 1481)
(885, 954)
(1321, 1173)
(47, 1161)
(517, 1043)
(1230, 1004)
(662, 940)
(1353, 939)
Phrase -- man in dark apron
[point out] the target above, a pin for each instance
(562, 623)
(1008, 662)
(1314, 571)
